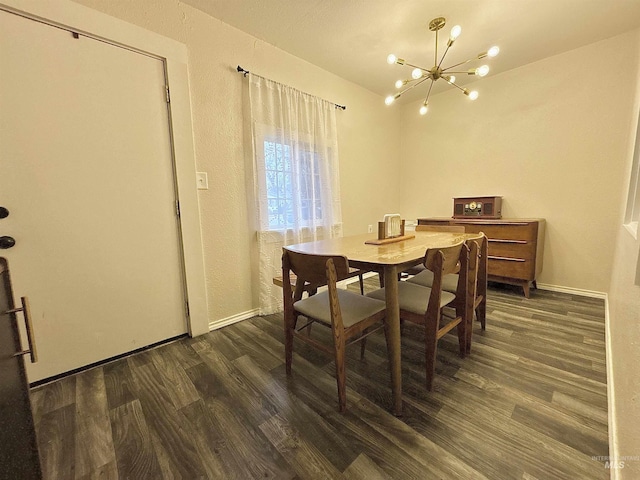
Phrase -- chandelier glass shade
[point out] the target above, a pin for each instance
(419, 75)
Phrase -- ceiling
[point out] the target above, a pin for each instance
(352, 38)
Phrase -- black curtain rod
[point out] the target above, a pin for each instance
(246, 72)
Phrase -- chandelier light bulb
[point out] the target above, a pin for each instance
(389, 100)
(482, 71)
(493, 51)
(391, 59)
(473, 94)
(423, 109)
(455, 32)
(452, 79)
(416, 73)
(400, 83)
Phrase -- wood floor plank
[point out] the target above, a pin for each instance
(182, 391)
(106, 472)
(212, 445)
(56, 443)
(136, 457)
(165, 421)
(118, 383)
(301, 454)
(515, 442)
(242, 394)
(250, 447)
(52, 396)
(363, 468)
(318, 432)
(564, 429)
(94, 442)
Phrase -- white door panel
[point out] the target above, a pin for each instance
(86, 172)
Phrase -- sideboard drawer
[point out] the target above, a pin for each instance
(515, 246)
(515, 231)
(509, 267)
(512, 248)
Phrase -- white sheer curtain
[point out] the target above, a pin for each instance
(296, 180)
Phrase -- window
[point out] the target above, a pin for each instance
(292, 186)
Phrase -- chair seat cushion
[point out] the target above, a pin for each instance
(425, 279)
(354, 307)
(414, 298)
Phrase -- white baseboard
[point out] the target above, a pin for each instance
(611, 417)
(223, 322)
(572, 291)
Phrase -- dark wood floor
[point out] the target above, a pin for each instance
(528, 403)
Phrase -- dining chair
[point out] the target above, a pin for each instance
(350, 316)
(433, 228)
(424, 305)
(475, 295)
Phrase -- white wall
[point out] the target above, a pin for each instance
(624, 323)
(368, 136)
(550, 137)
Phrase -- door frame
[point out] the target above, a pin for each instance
(85, 21)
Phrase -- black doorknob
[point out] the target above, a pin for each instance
(4, 213)
(7, 242)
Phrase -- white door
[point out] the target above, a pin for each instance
(86, 173)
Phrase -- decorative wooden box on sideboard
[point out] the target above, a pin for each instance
(515, 247)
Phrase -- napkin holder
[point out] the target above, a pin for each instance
(390, 230)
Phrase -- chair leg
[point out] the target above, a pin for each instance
(341, 376)
(431, 347)
(361, 281)
(481, 313)
(462, 337)
(288, 344)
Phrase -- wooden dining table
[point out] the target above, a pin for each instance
(388, 259)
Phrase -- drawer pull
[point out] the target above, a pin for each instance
(500, 240)
(26, 311)
(491, 257)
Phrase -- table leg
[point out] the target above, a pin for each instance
(392, 331)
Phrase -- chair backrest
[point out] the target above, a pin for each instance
(313, 268)
(316, 271)
(477, 248)
(310, 270)
(440, 228)
(443, 261)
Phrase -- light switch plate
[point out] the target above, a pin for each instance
(202, 180)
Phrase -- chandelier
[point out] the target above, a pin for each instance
(420, 75)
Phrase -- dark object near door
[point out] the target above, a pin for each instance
(19, 449)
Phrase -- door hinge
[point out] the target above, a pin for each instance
(186, 308)
(178, 208)
(168, 95)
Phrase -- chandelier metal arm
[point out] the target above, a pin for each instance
(444, 54)
(461, 72)
(426, 100)
(415, 66)
(457, 86)
(435, 60)
(413, 86)
(457, 65)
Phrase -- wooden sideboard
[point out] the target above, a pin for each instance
(515, 247)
